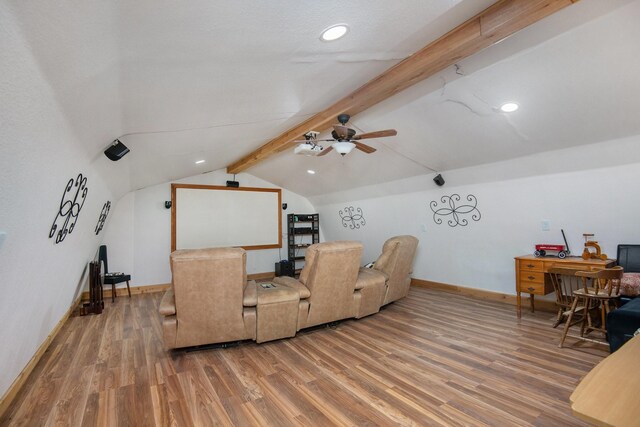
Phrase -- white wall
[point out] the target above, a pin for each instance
(39, 152)
(139, 234)
(512, 203)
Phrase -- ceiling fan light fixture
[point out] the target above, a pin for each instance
(334, 32)
(509, 107)
(343, 147)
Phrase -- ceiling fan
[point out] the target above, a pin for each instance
(344, 139)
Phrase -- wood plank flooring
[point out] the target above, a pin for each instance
(432, 358)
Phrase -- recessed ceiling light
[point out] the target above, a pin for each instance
(311, 172)
(334, 32)
(509, 107)
(199, 162)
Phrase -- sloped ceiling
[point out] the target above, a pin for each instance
(214, 80)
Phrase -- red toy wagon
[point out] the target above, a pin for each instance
(562, 250)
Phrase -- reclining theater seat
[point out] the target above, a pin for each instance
(210, 300)
(395, 263)
(327, 284)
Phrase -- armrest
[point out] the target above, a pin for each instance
(368, 277)
(168, 303)
(373, 270)
(290, 282)
(250, 296)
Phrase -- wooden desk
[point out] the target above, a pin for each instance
(608, 395)
(532, 277)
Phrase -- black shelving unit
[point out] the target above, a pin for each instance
(303, 230)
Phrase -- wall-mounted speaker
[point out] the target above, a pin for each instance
(116, 151)
(439, 180)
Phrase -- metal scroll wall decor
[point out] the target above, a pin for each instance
(458, 212)
(73, 198)
(103, 217)
(352, 217)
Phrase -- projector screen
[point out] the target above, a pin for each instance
(209, 216)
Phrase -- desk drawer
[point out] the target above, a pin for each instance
(531, 276)
(575, 266)
(534, 265)
(533, 288)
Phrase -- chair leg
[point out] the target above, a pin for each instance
(586, 321)
(113, 292)
(128, 289)
(559, 318)
(566, 326)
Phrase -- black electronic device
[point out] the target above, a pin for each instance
(116, 151)
(439, 180)
(284, 268)
(305, 217)
(302, 230)
(233, 184)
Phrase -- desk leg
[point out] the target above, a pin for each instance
(531, 297)
(519, 304)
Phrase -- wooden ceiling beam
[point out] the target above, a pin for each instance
(495, 23)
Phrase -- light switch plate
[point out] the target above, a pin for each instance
(544, 225)
(3, 235)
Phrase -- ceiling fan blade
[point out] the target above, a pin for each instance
(341, 131)
(377, 134)
(325, 151)
(364, 147)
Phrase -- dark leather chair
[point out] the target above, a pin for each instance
(112, 279)
(622, 324)
(629, 259)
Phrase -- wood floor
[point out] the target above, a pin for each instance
(430, 359)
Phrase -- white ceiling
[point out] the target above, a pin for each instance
(213, 80)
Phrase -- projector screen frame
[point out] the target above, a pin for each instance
(278, 191)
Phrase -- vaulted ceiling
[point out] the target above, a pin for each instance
(214, 80)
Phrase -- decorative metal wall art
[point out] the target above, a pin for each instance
(73, 198)
(457, 211)
(352, 219)
(103, 217)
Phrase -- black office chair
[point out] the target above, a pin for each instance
(112, 279)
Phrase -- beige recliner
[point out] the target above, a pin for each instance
(396, 264)
(210, 300)
(329, 285)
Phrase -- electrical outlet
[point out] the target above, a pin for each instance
(424, 228)
(544, 225)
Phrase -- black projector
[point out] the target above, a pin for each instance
(116, 151)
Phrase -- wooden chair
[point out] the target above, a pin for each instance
(605, 288)
(565, 282)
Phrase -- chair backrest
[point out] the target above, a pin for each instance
(102, 256)
(396, 262)
(330, 273)
(208, 285)
(564, 282)
(629, 258)
(607, 280)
